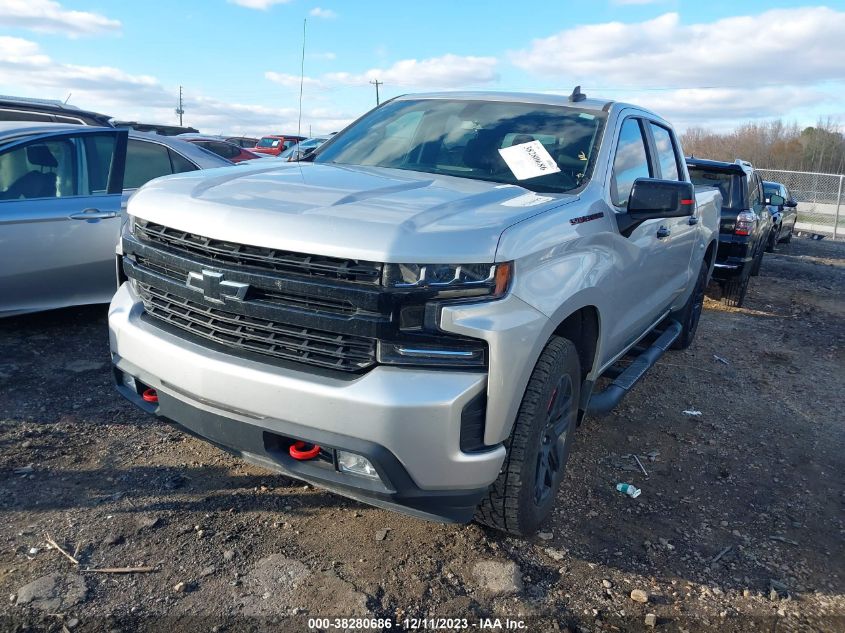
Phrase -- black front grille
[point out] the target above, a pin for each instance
(266, 295)
(224, 252)
(313, 347)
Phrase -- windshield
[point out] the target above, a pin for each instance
(540, 147)
(302, 147)
(771, 188)
(269, 142)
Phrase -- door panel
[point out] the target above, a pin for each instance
(680, 239)
(641, 283)
(58, 234)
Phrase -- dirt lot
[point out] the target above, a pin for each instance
(739, 527)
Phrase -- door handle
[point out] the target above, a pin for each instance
(663, 232)
(693, 220)
(93, 214)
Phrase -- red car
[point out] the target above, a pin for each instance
(275, 145)
(222, 148)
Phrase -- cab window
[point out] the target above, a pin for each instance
(145, 161)
(667, 154)
(43, 169)
(631, 162)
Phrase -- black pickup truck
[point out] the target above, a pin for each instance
(745, 225)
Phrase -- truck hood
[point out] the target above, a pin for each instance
(368, 213)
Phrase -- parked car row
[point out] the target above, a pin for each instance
(755, 216)
(233, 148)
(437, 295)
(62, 190)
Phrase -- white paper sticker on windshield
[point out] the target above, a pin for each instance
(529, 160)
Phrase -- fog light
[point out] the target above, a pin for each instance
(355, 464)
(129, 381)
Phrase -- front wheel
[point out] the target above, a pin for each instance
(774, 238)
(690, 314)
(524, 494)
(757, 262)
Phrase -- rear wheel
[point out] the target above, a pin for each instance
(690, 314)
(524, 494)
(733, 291)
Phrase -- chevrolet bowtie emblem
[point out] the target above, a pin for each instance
(214, 288)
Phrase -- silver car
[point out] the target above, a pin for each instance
(62, 188)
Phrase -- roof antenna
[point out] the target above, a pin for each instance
(577, 95)
(68, 97)
(301, 79)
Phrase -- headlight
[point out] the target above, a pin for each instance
(420, 291)
(451, 280)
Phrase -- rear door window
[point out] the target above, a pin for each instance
(145, 161)
(667, 153)
(179, 163)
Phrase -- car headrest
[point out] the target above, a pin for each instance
(41, 155)
(481, 151)
(519, 139)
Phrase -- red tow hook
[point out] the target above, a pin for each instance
(150, 395)
(299, 451)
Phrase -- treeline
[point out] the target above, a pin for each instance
(774, 145)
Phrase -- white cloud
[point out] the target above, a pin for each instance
(142, 97)
(448, 71)
(318, 12)
(291, 81)
(725, 106)
(327, 55)
(261, 5)
(783, 46)
(49, 16)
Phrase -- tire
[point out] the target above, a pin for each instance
(733, 291)
(788, 238)
(757, 262)
(774, 238)
(524, 494)
(690, 314)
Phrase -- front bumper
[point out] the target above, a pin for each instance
(406, 421)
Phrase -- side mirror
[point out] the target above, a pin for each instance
(791, 204)
(776, 201)
(652, 198)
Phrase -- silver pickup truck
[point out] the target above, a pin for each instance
(421, 315)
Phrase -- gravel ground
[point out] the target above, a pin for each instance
(739, 526)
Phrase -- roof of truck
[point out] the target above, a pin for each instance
(516, 97)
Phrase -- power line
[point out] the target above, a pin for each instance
(377, 83)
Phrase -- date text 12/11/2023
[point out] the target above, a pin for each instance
(419, 624)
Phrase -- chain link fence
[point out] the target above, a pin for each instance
(820, 197)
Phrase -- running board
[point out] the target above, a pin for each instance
(606, 400)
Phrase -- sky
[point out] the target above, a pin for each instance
(713, 64)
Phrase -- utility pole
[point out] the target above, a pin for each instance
(377, 83)
(180, 110)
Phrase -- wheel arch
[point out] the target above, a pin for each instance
(582, 328)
